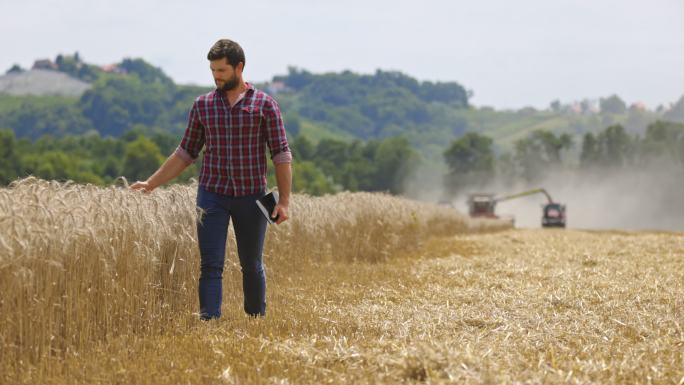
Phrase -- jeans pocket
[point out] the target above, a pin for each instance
(207, 202)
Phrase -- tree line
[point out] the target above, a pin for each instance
(138, 96)
(332, 165)
(131, 119)
(472, 161)
(319, 168)
(383, 104)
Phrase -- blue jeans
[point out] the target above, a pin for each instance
(250, 230)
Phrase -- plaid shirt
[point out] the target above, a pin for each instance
(235, 136)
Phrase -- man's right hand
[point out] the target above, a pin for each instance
(171, 168)
(142, 185)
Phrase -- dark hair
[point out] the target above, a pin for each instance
(226, 48)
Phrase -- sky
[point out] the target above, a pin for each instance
(510, 54)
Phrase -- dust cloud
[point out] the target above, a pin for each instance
(644, 199)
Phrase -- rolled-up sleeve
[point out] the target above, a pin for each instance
(193, 139)
(275, 133)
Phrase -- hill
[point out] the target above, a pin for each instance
(131, 94)
(431, 115)
(348, 131)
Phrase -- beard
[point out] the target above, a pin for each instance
(230, 84)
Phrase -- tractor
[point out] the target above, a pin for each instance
(484, 204)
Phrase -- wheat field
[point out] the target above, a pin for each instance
(99, 287)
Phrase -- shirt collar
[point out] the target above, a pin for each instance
(250, 88)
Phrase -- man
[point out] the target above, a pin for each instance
(234, 124)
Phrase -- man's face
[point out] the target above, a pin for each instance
(225, 76)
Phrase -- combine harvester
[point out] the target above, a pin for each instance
(483, 205)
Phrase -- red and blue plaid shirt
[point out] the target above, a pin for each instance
(234, 140)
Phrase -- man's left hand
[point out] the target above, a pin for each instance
(282, 211)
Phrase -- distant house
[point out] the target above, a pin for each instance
(638, 106)
(575, 108)
(276, 87)
(584, 107)
(112, 69)
(44, 64)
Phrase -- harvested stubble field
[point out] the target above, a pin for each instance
(99, 287)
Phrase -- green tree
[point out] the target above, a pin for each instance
(470, 160)
(553, 145)
(590, 151)
(612, 105)
(296, 78)
(615, 147)
(307, 178)
(51, 165)
(117, 103)
(9, 161)
(376, 165)
(147, 73)
(664, 141)
(470, 153)
(292, 123)
(611, 148)
(39, 116)
(540, 152)
(68, 64)
(676, 113)
(395, 162)
(15, 69)
(373, 106)
(142, 158)
(302, 148)
(330, 156)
